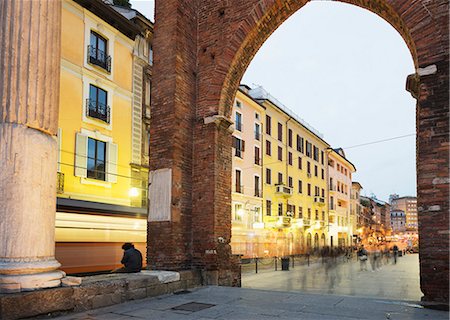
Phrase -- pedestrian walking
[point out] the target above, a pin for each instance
(362, 256)
(395, 251)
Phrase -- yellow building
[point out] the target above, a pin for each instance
(294, 182)
(102, 135)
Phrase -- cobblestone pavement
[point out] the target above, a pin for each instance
(392, 281)
(247, 304)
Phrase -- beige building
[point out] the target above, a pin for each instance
(356, 216)
(398, 221)
(340, 172)
(409, 206)
(247, 176)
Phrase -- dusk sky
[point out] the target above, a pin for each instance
(343, 70)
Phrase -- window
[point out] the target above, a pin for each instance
(280, 209)
(316, 153)
(323, 174)
(316, 191)
(280, 153)
(322, 157)
(280, 178)
(309, 213)
(98, 52)
(323, 193)
(257, 190)
(268, 207)
(299, 144)
(300, 163)
(96, 159)
(238, 121)
(290, 210)
(290, 138)
(239, 146)
(300, 186)
(308, 149)
(280, 132)
(256, 115)
(268, 125)
(300, 212)
(309, 189)
(290, 183)
(257, 157)
(97, 104)
(308, 167)
(290, 158)
(316, 215)
(238, 104)
(268, 148)
(268, 176)
(316, 169)
(257, 131)
(239, 187)
(323, 215)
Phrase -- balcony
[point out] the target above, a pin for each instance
(306, 222)
(60, 183)
(320, 201)
(283, 190)
(99, 58)
(97, 110)
(283, 222)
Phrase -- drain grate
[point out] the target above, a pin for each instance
(193, 306)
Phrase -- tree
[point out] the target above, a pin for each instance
(123, 3)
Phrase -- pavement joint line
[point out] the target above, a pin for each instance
(335, 304)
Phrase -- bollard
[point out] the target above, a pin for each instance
(276, 266)
(256, 265)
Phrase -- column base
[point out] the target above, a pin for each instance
(29, 282)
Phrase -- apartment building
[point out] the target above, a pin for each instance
(341, 220)
(294, 178)
(408, 205)
(398, 221)
(248, 235)
(103, 134)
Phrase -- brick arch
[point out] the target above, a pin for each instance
(201, 50)
(266, 16)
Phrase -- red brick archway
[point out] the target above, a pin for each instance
(202, 49)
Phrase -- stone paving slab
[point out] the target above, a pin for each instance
(247, 304)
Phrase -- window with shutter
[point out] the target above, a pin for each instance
(111, 162)
(81, 142)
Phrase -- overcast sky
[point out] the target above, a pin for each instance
(343, 69)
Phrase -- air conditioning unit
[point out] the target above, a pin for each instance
(283, 190)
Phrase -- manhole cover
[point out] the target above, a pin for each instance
(193, 306)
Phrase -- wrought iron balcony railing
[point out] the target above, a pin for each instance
(95, 109)
(99, 58)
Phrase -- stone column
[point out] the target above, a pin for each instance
(29, 95)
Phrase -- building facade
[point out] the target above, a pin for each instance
(341, 220)
(409, 206)
(104, 105)
(248, 235)
(398, 221)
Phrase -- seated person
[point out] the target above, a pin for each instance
(132, 259)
